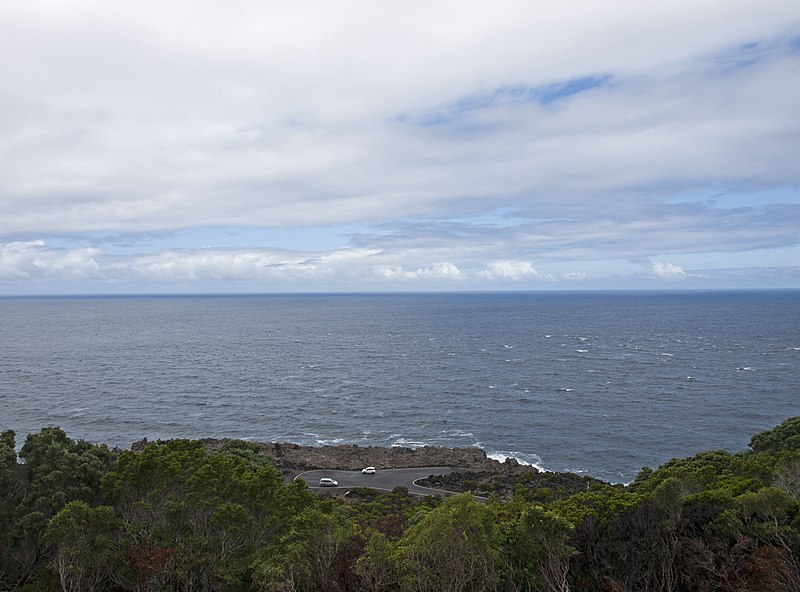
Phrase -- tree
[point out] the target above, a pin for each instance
(200, 515)
(602, 504)
(11, 489)
(84, 541)
(536, 551)
(307, 554)
(696, 473)
(787, 473)
(374, 568)
(455, 547)
(57, 470)
(283, 568)
(785, 436)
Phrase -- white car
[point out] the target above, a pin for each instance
(368, 471)
(328, 482)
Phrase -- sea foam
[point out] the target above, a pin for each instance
(530, 459)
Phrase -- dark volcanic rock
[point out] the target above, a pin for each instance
(532, 484)
(352, 457)
(349, 457)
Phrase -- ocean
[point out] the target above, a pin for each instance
(595, 383)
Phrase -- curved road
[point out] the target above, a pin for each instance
(386, 479)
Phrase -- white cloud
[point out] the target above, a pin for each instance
(609, 131)
(667, 270)
(575, 276)
(393, 272)
(662, 269)
(436, 271)
(121, 121)
(33, 260)
(440, 271)
(245, 264)
(508, 270)
(343, 265)
(89, 269)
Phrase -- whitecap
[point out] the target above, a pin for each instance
(582, 351)
(530, 459)
(405, 443)
(329, 441)
(456, 434)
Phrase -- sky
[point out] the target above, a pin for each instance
(199, 146)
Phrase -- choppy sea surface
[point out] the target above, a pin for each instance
(596, 383)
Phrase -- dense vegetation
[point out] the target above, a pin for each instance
(180, 517)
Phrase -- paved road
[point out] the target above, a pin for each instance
(386, 479)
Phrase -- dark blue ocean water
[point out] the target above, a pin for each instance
(602, 383)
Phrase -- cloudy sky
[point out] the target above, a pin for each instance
(251, 145)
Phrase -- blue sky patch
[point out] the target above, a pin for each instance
(519, 94)
(753, 53)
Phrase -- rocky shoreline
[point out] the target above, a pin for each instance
(481, 475)
(351, 457)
